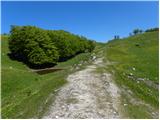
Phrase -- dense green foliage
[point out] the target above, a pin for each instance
(141, 53)
(38, 47)
(68, 44)
(33, 45)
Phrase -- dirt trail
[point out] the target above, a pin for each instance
(87, 95)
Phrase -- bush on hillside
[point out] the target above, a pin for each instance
(32, 45)
(137, 31)
(40, 47)
(152, 29)
(70, 45)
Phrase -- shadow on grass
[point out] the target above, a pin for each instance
(24, 60)
(39, 67)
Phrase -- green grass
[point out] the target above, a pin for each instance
(136, 111)
(26, 94)
(144, 58)
(4, 37)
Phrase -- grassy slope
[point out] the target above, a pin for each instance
(144, 58)
(26, 94)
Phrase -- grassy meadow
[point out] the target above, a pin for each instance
(135, 66)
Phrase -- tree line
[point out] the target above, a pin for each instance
(138, 31)
(40, 48)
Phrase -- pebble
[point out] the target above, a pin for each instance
(57, 117)
(134, 69)
(130, 74)
(10, 67)
(125, 104)
(153, 113)
(114, 112)
(63, 106)
(140, 79)
(56, 90)
(94, 57)
(77, 68)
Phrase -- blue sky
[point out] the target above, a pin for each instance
(99, 21)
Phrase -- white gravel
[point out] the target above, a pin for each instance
(87, 95)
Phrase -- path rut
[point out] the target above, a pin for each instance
(87, 95)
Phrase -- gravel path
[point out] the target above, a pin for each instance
(87, 95)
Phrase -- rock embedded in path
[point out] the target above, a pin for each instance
(57, 117)
(131, 74)
(125, 104)
(114, 112)
(133, 69)
(93, 58)
(140, 79)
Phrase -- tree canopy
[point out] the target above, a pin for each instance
(37, 46)
(137, 31)
(152, 29)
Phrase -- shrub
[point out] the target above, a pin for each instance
(69, 44)
(32, 45)
(137, 31)
(37, 46)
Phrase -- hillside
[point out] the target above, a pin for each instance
(135, 65)
(116, 80)
(26, 94)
